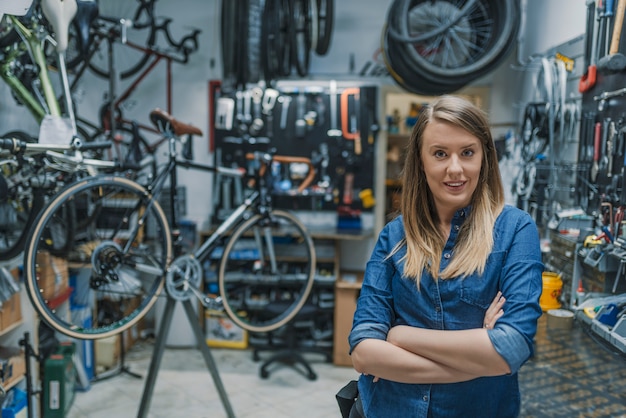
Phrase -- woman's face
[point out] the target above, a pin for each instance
(452, 158)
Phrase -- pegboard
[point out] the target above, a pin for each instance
(334, 124)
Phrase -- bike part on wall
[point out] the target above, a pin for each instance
(436, 47)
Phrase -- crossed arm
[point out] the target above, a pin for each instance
(417, 355)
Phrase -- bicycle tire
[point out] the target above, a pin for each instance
(250, 287)
(300, 35)
(128, 61)
(252, 59)
(325, 23)
(125, 248)
(468, 47)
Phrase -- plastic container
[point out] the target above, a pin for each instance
(552, 289)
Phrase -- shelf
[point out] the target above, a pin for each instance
(11, 327)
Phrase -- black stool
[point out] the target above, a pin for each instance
(290, 353)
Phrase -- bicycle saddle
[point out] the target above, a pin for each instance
(86, 13)
(60, 14)
(165, 122)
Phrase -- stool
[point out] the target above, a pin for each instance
(290, 353)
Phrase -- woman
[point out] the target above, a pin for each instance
(422, 335)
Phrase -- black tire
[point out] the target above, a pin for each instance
(325, 22)
(252, 59)
(127, 261)
(300, 35)
(247, 279)
(451, 42)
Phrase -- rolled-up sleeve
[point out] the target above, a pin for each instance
(521, 285)
(374, 313)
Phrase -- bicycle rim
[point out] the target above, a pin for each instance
(118, 256)
(261, 293)
(128, 61)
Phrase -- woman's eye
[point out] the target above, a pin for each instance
(440, 154)
(468, 153)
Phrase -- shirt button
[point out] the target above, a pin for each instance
(437, 308)
(425, 398)
(456, 227)
(446, 255)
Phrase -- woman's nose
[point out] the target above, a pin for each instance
(454, 165)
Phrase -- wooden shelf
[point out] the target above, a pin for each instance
(11, 327)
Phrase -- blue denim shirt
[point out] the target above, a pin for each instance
(387, 299)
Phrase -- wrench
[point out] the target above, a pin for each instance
(285, 101)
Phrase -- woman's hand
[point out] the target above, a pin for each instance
(494, 312)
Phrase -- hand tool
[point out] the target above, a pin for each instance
(256, 117)
(269, 101)
(597, 139)
(615, 60)
(284, 111)
(588, 79)
(333, 131)
(604, 157)
(610, 147)
(301, 104)
(353, 133)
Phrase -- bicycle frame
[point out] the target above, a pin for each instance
(32, 41)
(111, 114)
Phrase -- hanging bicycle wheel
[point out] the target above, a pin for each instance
(120, 248)
(141, 31)
(451, 42)
(267, 271)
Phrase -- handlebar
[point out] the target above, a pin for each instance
(17, 146)
(266, 159)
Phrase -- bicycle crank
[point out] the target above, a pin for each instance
(183, 278)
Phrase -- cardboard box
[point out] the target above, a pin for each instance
(222, 332)
(52, 274)
(347, 290)
(12, 365)
(11, 312)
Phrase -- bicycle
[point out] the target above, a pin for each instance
(105, 32)
(257, 256)
(30, 174)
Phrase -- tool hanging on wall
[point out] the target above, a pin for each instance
(588, 78)
(350, 120)
(333, 131)
(597, 140)
(615, 60)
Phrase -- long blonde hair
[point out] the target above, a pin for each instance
(424, 241)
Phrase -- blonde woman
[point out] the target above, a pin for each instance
(429, 335)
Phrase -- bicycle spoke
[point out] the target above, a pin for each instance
(266, 271)
(118, 249)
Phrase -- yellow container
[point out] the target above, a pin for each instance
(552, 288)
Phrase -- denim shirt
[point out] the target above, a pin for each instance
(387, 299)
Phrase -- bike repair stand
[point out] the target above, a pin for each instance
(158, 353)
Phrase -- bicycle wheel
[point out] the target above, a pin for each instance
(267, 271)
(128, 60)
(120, 250)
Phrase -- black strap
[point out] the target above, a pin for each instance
(346, 397)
